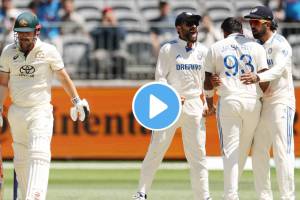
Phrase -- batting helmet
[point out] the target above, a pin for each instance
(27, 22)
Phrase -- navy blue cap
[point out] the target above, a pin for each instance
(185, 17)
(163, 2)
(260, 12)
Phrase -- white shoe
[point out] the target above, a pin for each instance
(140, 196)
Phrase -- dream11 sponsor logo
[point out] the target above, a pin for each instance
(188, 67)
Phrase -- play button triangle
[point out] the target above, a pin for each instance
(156, 106)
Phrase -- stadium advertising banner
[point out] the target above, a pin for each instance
(111, 131)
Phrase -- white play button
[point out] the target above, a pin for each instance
(156, 106)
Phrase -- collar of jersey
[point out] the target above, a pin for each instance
(270, 40)
(38, 42)
(183, 43)
(235, 34)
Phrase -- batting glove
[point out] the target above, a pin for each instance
(1, 118)
(80, 109)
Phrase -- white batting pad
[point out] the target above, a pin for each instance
(39, 156)
(21, 166)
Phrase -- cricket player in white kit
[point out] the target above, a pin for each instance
(180, 64)
(26, 68)
(276, 123)
(239, 105)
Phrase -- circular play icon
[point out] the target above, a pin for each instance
(156, 106)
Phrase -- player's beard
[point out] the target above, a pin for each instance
(26, 44)
(259, 34)
(191, 36)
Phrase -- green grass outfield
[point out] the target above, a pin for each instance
(120, 184)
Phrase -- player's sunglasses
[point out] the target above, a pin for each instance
(192, 23)
(257, 21)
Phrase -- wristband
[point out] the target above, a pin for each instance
(75, 100)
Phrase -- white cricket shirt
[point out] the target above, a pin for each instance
(182, 67)
(30, 78)
(231, 57)
(279, 58)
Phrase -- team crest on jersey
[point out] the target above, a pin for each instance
(39, 54)
(200, 56)
(270, 51)
(27, 71)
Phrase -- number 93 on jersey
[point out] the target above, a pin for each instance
(238, 65)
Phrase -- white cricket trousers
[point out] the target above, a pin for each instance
(31, 130)
(275, 129)
(193, 135)
(237, 119)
